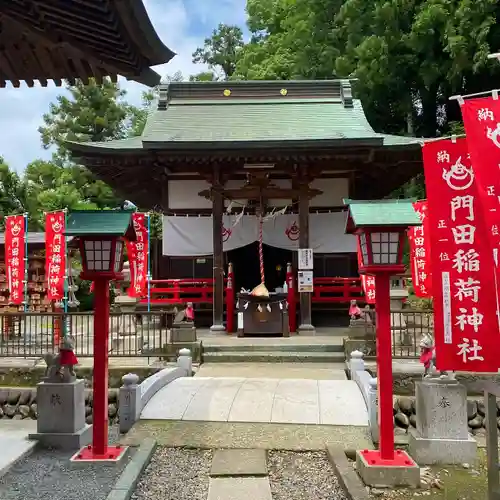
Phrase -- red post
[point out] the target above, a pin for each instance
(100, 375)
(177, 289)
(384, 366)
(230, 299)
(292, 304)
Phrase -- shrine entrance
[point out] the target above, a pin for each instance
(245, 262)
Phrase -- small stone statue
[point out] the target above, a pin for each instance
(354, 310)
(358, 316)
(428, 359)
(186, 315)
(61, 367)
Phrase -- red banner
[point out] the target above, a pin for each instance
(15, 263)
(420, 262)
(482, 124)
(55, 255)
(367, 282)
(465, 312)
(137, 252)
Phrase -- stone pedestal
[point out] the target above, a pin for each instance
(61, 415)
(183, 332)
(402, 471)
(441, 435)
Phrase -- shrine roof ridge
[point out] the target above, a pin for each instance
(284, 90)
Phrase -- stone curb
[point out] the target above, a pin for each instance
(127, 482)
(348, 478)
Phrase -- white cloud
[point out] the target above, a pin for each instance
(181, 24)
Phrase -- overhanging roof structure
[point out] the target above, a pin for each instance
(195, 125)
(69, 39)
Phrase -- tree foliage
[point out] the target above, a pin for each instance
(97, 112)
(409, 56)
(221, 51)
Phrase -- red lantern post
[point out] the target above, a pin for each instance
(381, 247)
(102, 262)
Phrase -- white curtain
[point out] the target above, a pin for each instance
(192, 236)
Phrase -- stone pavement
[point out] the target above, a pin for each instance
(314, 371)
(265, 400)
(238, 474)
(14, 441)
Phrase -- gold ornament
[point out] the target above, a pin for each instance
(283, 91)
(227, 92)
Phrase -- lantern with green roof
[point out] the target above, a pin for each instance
(381, 229)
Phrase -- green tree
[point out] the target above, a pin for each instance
(204, 76)
(94, 112)
(221, 50)
(138, 116)
(409, 56)
(14, 198)
(290, 40)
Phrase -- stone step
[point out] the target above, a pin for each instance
(278, 347)
(273, 357)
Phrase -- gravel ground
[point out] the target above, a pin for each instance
(302, 476)
(48, 475)
(175, 474)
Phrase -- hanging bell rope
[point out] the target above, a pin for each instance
(261, 290)
(261, 250)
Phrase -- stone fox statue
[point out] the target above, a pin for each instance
(428, 359)
(61, 366)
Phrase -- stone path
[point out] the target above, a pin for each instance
(265, 400)
(14, 441)
(235, 474)
(238, 474)
(313, 371)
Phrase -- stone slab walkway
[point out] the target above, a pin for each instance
(266, 400)
(14, 441)
(313, 371)
(239, 488)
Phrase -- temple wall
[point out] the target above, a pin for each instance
(183, 194)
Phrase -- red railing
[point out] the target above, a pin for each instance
(197, 291)
(336, 290)
(200, 291)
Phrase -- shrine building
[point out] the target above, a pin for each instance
(215, 156)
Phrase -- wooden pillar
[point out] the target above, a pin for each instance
(217, 213)
(305, 298)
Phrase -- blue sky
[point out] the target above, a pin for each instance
(181, 24)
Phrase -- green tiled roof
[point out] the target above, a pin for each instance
(100, 223)
(199, 114)
(363, 213)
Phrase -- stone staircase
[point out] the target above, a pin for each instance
(276, 352)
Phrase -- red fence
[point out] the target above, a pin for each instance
(201, 291)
